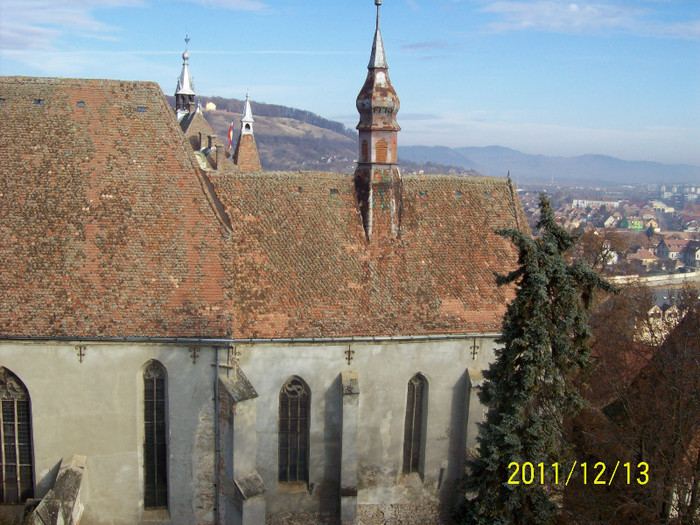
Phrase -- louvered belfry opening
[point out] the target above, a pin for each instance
(414, 427)
(16, 469)
(155, 447)
(295, 402)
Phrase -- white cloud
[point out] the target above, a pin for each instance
(579, 16)
(39, 24)
(559, 16)
(36, 24)
(242, 5)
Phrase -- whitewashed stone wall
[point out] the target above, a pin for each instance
(95, 408)
(383, 371)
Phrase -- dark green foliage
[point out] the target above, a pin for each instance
(528, 389)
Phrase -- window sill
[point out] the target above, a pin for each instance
(292, 487)
(155, 517)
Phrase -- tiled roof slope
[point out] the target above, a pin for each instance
(105, 225)
(303, 268)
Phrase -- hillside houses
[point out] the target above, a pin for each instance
(642, 236)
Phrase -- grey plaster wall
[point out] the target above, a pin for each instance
(95, 408)
(384, 370)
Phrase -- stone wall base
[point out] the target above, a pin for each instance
(403, 514)
(300, 518)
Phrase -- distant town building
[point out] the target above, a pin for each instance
(589, 203)
(670, 248)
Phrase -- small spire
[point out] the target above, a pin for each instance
(378, 57)
(185, 86)
(184, 92)
(247, 120)
(246, 155)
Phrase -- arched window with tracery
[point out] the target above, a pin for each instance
(16, 464)
(294, 407)
(415, 425)
(155, 445)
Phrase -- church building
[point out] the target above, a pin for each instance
(186, 338)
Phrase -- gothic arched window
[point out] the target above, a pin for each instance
(295, 403)
(415, 425)
(16, 466)
(155, 443)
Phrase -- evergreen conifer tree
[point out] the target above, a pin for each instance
(528, 389)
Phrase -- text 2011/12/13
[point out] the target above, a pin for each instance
(542, 474)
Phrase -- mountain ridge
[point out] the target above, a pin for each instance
(294, 139)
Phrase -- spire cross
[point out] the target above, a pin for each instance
(187, 40)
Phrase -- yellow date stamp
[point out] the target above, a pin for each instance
(598, 473)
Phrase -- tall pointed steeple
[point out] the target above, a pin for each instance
(246, 154)
(247, 120)
(377, 177)
(184, 93)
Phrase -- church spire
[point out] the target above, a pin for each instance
(247, 120)
(377, 177)
(378, 57)
(246, 154)
(184, 93)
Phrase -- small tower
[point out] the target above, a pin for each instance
(377, 176)
(246, 153)
(247, 120)
(184, 93)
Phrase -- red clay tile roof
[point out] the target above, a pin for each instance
(105, 228)
(303, 267)
(108, 228)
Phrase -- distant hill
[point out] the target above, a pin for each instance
(593, 169)
(294, 139)
(287, 138)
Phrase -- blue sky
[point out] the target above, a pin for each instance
(614, 77)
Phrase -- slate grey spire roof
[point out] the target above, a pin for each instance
(247, 118)
(378, 57)
(185, 85)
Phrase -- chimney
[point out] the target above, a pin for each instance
(220, 154)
